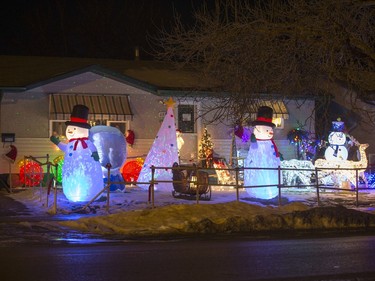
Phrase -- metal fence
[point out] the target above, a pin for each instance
(237, 184)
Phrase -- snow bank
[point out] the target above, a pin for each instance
(131, 215)
(232, 217)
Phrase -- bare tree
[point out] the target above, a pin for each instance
(249, 50)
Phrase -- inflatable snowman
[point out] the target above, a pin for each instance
(263, 153)
(337, 141)
(82, 177)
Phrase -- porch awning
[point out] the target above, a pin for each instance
(111, 107)
(279, 108)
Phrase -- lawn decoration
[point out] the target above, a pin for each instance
(111, 145)
(263, 153)
(130, 137)
(163, 153)
(11, 155)
(337, 140)
(297, 172)
(31, 172)
(187, 184)
(59, 161)
(336, 177)
(131, 169)
(82, 177)
(206, 148)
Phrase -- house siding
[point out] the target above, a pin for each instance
(41, 148)
(27, 115)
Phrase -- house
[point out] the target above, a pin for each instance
(38, 93)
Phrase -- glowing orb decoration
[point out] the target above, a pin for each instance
(59, 161)
(130, 171)
(31, 173)
(111, 146)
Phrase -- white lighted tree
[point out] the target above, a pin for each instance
(163, 152)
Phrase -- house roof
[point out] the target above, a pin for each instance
(19, 73)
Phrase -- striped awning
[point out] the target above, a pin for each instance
(111, 107)
(279, 108)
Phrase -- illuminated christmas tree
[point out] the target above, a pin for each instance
(205, 144)
(163, 153)
(206, 148)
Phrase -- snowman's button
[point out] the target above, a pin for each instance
(70, 154)
(71, 146)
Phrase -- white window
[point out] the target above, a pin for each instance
(57, 127)
(123, 126)
(186, 117)
(279, 122)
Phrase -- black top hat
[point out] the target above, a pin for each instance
(79, 117)
(264, 117)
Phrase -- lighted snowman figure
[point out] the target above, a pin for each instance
(337, 140)
(263, 153)
(82, 177)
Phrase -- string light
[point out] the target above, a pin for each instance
(59, 161)
(31, 173)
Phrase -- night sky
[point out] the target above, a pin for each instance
(86, 28)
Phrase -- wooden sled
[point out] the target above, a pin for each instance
(185, 183)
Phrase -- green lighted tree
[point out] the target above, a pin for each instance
(205, 144)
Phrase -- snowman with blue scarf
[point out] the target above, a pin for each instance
(337, 151)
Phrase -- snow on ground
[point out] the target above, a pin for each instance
(131, 213)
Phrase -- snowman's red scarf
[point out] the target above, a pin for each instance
(274, 146)
(82, 140)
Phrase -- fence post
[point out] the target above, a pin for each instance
(197, 178)
(237, 192)
(152, 187)
(54, 209)
(279, 183)
(356, 187)
(317, 185)
(108, 166)
(10, 177)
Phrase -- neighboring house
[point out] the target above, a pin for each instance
(38, 93)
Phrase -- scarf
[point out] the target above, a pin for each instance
(82, 140)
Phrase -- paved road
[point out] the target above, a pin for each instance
(39, 253)
(344, 258)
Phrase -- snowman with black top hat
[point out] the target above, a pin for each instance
(82, 177)
(263, 153)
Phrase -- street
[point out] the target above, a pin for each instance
(240, 258)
